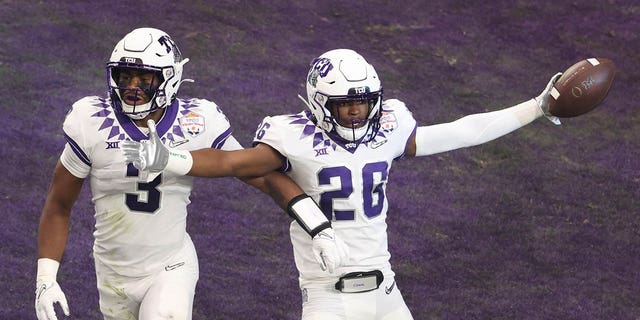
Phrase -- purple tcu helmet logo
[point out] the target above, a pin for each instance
(320, 67)
(170, 46)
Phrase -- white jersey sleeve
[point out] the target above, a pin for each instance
(73, 157)
(231, 144)
(475, 129)
(347, 180)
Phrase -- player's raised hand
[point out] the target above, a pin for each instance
(149, 154)
(154, 156)
(330, 252)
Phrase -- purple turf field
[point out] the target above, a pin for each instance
(543, 223)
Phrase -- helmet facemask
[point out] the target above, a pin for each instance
(136, 88)
(355, 129)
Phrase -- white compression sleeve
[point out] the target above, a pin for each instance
(474, 129)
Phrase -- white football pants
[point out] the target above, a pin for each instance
(167, 294)
(326, 303)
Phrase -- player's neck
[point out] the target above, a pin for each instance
(155, 116)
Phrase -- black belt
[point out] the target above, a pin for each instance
(360, 281)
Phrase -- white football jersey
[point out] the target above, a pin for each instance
(140, 219)
(348, 181)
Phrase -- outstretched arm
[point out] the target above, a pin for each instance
(152, 155)
(252, 162)
(480, 128)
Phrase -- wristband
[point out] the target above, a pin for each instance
(179, 162)
(47, 270)
(308, 214)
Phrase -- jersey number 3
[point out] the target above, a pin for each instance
(372, 193)
(151, 188)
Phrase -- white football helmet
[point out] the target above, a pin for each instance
(343, 75)
(146, 50)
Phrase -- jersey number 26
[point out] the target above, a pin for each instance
(372, 193)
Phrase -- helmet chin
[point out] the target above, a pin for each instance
(135, 112)
(129, 110)
(351, 134)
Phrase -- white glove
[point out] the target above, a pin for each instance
(152, 154)
(543, 99)
(48, 292)
(330, 252)
(149, 154)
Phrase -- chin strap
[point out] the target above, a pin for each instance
(306, 103)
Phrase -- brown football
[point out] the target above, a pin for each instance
(582, 87)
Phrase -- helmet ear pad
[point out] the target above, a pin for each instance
(342, 75)
(146, 50)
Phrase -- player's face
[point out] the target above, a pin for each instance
(140, 85)
(350, 114)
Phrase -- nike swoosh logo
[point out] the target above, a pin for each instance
(388, 290)
(174, 266)
(174, 144)
(377, 144)
(40, 290)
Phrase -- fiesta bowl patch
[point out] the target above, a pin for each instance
(388, 121)
(192, 123)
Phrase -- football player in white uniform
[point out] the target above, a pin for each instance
(340, 152)
(145, 261)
